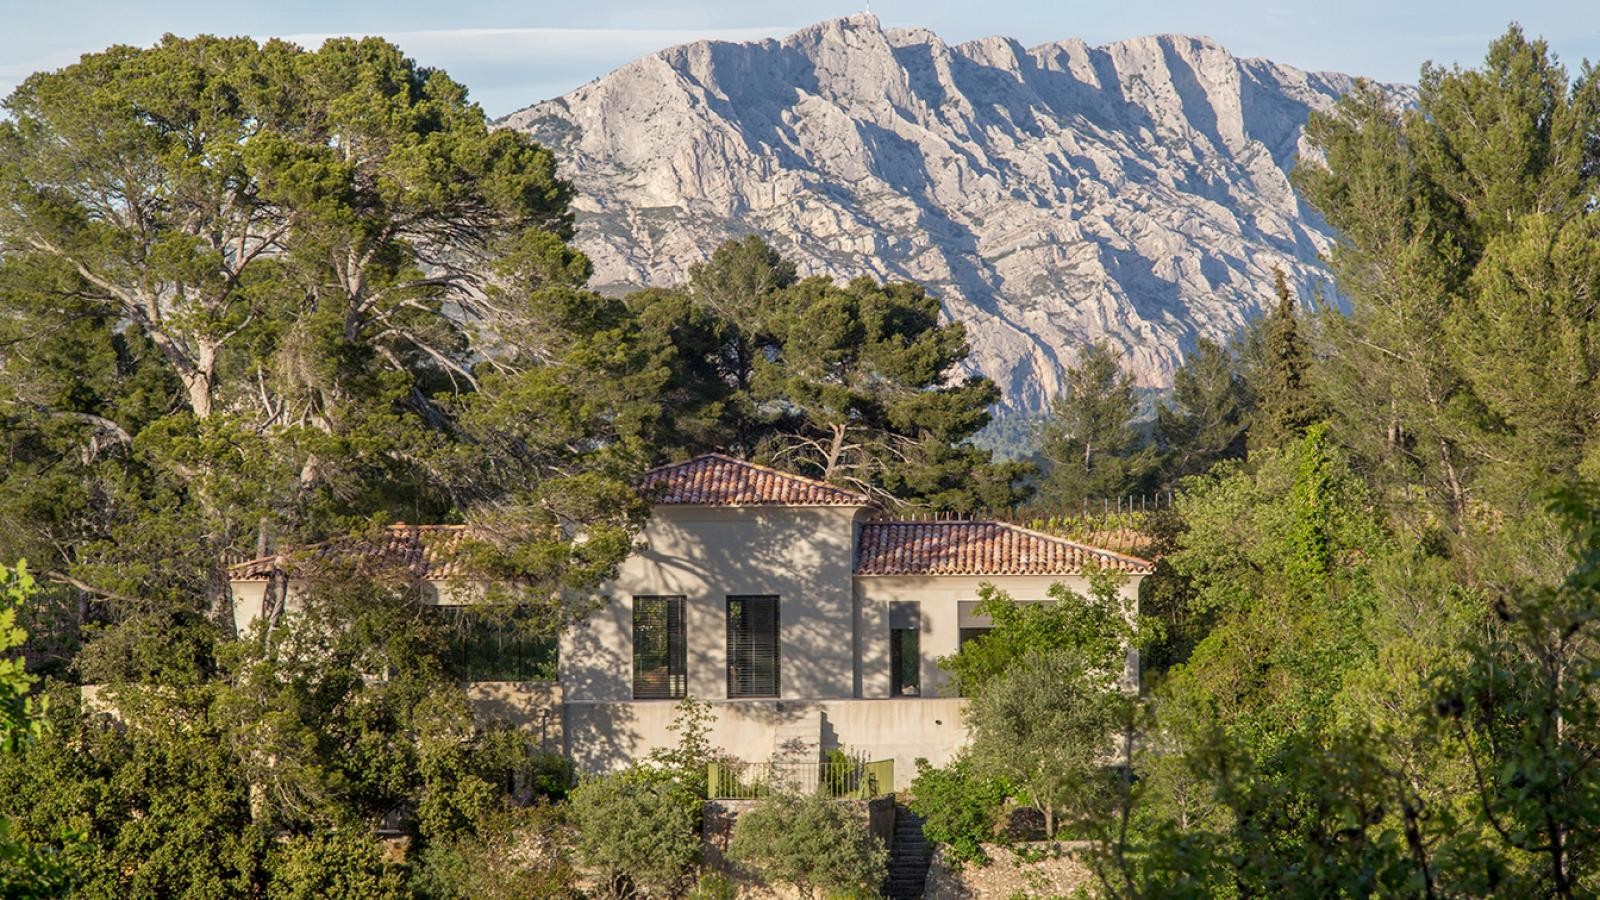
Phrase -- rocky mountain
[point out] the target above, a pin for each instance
(1050, 195)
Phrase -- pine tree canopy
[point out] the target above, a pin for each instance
(1205, 417)
(261, 294)
(856, 383)
(1090, 442)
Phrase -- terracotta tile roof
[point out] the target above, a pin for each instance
(717, 480)
(978, 548)
(425, 552)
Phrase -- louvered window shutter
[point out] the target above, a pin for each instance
(753, 664)
(660, 652)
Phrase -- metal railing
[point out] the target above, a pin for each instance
(841, 780)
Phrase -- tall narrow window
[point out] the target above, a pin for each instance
(753, 647)
(905, 655)
(660, 657)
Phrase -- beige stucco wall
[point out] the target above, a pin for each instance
(803, 555)
(834, 629)
(532, 706)
(938, 597)
(248, 597)
(605, 736)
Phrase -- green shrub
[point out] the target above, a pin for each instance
(467, 770)
(686, 762)
(638, 831)
(958, 807)
(514, 854)
(332, 865)
(843, 773)
(811, 843)
(714, 886)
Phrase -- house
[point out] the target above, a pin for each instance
(805, 618)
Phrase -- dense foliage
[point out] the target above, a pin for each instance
(1378, 671)
(256, 296)
(809, 842)
(957, 804)
(639, 831)
(26, 869)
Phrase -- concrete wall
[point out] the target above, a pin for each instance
(803, 555)
(533, 706)
(939, 618)
(602, 737)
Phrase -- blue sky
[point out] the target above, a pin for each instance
(511, 54)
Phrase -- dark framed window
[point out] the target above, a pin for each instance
(753, 664)
(660, 653)
(495, 642)
(905, 653)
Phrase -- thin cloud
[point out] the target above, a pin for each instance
(506, 68)
(504, 44)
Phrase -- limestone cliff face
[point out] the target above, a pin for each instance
(1049, 196)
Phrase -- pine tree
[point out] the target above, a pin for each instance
(1205, 417)
(1089, 440)
(1467, 365)
(252, 291)
(852, 383)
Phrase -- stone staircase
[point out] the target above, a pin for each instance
(908, 857)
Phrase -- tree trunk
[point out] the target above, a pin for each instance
(1458, 498)
(199, 389)
(273, 600)
(835, 448)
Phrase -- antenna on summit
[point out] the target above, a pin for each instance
(866, 6)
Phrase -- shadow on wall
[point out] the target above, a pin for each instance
(600, 737)
(597, 743)
(533, 707)
(805, 557)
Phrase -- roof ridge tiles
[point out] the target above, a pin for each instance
(426, 551)
(977, 547)
(718, 479)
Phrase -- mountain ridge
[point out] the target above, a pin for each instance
(1052, 195)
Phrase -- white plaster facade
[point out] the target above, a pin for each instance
(803, 555)
(834, 639)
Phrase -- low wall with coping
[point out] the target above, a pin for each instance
(602, 737)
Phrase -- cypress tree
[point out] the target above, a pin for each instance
(1285, 406)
